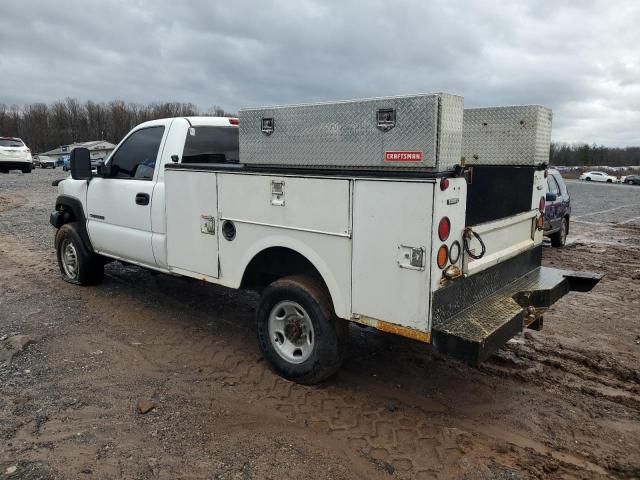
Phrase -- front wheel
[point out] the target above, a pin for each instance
(77, 264)
(588, 179)
(298, 331)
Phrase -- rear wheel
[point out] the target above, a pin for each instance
(77, 264)
(609, 181)
(559, 239)
(26, 169)
(298, 331)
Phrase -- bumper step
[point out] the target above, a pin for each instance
(475, 333)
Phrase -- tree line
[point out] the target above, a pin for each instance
(573, 155)
(44, 126)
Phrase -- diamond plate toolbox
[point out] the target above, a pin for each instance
(519, 135)
(407, 132)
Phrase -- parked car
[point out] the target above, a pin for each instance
(632, 179)
(35, 160)
(557, 209)
(47, 162)
(598, 177)
(14, 155)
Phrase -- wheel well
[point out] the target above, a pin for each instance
(277, 262)
(73, 212)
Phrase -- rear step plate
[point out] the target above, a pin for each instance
(475, 333)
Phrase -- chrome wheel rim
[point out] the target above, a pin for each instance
(291, 331)
(69, 258)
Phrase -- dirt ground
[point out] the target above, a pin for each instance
(74, 363)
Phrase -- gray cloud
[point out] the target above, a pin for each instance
(579, 58)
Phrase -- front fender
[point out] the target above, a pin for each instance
(74, 206)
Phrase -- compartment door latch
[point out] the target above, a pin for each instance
(207, 224)
(277, 193)
(412, 258)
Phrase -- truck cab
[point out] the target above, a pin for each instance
(123, 205)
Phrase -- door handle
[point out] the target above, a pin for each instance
(142, 198)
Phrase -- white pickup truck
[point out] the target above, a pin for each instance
(332, 221)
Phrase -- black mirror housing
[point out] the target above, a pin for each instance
(80, 164)
(551, 197)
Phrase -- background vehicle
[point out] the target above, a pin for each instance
(35, 160)
(632, 179)
(14, 155)
(557, 209)
(598, 177)
(47, 162)
(379, 227)
(65, 163)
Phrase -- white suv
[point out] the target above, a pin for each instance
(14, 155)
(598, 177)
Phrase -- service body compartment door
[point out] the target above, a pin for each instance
(391, 245)
(192, 229)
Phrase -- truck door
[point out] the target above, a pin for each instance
(119, 204)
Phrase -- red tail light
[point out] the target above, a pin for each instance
(541, 206)
(444, 184)
(444, 227)
(234, 121)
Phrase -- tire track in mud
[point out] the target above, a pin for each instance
(605, 378)
(406, 439)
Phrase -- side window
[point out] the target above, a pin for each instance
(553, 185)
(136, 157)
(211, 145)
(561, 185)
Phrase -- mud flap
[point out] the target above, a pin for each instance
(476, 332)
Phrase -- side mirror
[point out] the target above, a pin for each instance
(80, 164)
(551, 197)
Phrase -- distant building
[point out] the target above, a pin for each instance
(98, 149)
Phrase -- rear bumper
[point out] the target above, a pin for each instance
(472, 331)
(14, 164)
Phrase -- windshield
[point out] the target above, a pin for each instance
(11, 142)
(211, 145)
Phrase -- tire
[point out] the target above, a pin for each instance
(559, 239)
(609, 181)
(298, 331)
(588, 179)
(27, 169)
(630, 182)
(77, 264)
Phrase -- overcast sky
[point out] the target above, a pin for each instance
(581, 58)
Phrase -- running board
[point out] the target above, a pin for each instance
(475, 333)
